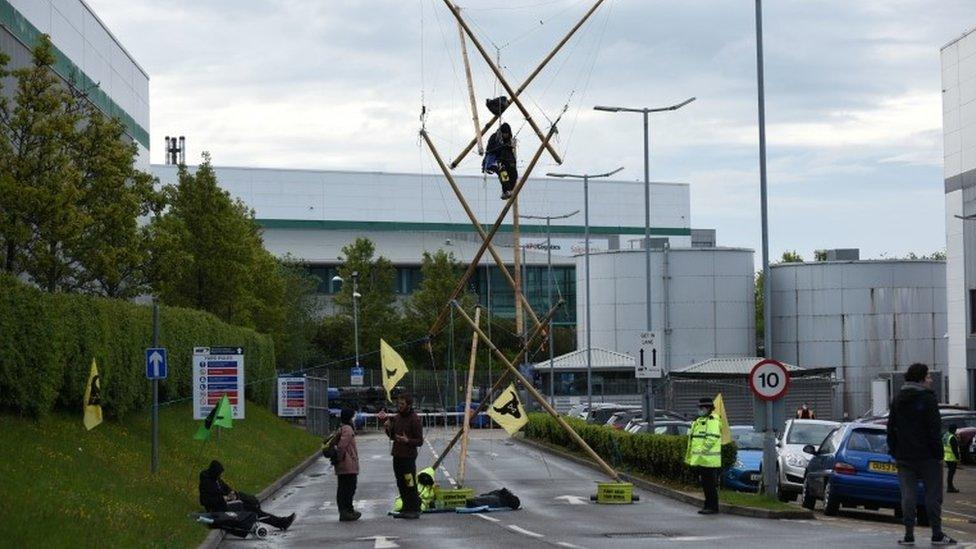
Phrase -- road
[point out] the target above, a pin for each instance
(556, 510)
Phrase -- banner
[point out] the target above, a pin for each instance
(93, 399)
(393, 366)
(507, 410)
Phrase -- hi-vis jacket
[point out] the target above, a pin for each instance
(425, 489)
(947, 440)
(705, 443)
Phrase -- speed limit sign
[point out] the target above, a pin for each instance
(769, 379)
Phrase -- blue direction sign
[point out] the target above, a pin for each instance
(156, 366)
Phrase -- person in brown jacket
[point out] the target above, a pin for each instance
(347, 467)
(406, 432)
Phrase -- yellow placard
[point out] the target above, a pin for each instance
(507, 410)
(614, 492)
(393, 366)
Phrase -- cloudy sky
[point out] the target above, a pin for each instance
(853, 97)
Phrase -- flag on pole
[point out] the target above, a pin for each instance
(507, 410)
(221, 415)
(720, 410)
(93, 399)
(393, 366)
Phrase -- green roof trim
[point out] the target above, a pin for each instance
(23, 30)
(311, 224)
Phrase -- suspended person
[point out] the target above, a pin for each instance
(704, 453)
(951, 448)
(805, 412)
(346, 466)
(406, 432)
(217, 496)
(500, 159)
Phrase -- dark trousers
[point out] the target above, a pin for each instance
(405, 470)
(247, 502)
(951, 466)
(929, 471)
(508, 177)
(708, 478)
(345, 490)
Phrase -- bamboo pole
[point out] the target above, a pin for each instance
(439, 322)
(539, 398)
(517, 267)
(531, 77)
(477, 224)
(501, 78)
(474, 103)
(466, 426)
(502, 379)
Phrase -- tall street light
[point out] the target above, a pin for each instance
(649, 390)
(586, 221)
(549, 218)
(355, 308)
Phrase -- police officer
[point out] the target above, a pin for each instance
(704, 453)
(951, 448)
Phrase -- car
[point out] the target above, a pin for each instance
(621, 419)
(791, 462)
(600, 414)
(662, 427)
(965, 421)
(582, 411)
(659, 415)
(744, 474)
(852, 468)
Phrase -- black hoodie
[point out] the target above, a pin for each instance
(914, 424)
(213, 488)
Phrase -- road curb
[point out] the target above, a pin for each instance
(799, 514)
(214, 538)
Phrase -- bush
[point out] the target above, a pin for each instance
(661, 456)
(47, 342)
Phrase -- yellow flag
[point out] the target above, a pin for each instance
(93, 399)
(507, 410)
(720, 410)
(393, 366)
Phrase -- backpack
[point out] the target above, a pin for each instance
(496, 499)
(329, 449)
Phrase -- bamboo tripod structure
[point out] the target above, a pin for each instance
(466, 426)
(521, 303)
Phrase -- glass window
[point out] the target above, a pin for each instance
(808, 433)
(831, 442)
(868, 440)
(747, 439)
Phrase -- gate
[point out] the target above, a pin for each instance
(317, 405)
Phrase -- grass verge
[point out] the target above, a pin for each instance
(65, 487)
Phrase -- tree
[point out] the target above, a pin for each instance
(791, 257)
(820, 255)
(440, 274)
(939, 255)
(760, 301)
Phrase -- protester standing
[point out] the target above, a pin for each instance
(915, 441)
(346, 466)
(406, 432)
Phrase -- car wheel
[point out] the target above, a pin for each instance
(921, 516)
(807, 498)
(831, 502)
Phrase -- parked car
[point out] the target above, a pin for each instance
(659, 415)
(744, 474)
(582, 411)
(852, 468)
(662, 427)
(791, 462)
(621, 419)
(965, 421)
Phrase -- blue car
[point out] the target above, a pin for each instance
(852, 468)
(744, 473)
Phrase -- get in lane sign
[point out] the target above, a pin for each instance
(769, 380)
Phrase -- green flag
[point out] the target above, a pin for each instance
(221, 415)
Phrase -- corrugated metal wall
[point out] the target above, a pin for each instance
(817, 391)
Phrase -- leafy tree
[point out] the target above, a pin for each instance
(939, 255)
(440, 273)
(791, 256)
(760, 301)
(820, 255)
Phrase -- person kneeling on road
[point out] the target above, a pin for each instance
(425, 489)
(704, 453)
(217, 496)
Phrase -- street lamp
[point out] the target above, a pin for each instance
(355, 308)
(549, 218)
(649, 394)
(586, 221)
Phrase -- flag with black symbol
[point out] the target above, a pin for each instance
(221, 415)
(93, 399)
(393, 366)
(507, 410)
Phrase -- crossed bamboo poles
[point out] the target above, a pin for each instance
(541, 325)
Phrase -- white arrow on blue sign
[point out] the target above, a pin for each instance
(156, 366)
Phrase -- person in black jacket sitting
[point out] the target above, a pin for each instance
(217, 496)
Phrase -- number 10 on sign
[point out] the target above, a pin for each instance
(769, 380)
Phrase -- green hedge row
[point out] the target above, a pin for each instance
(47, 342)
(660, 456)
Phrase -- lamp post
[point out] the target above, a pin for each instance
(586, 221)
(549, 218)
(355, 309)
(649, 389)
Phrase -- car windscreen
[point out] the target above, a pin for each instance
(808, 433)
(960, 421)
(868, 440)
(748, 440)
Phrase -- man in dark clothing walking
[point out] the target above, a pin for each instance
(915, 441)
(406, 432)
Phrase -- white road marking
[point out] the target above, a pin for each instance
(381, 542)
(567, 544)
(486, 517)
(972, 517)
(523, 531)
(443, 469)
(572, 500)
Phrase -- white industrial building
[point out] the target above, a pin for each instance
(86, 53)
(866, 319)
(702, 302)
(959, 148)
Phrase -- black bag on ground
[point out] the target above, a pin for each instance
(495, 499)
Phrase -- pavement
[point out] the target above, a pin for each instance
(556, 510)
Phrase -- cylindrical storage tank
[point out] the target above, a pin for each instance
(706, 309)
(861, 317)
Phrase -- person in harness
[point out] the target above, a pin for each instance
(500, 159)
(216, 496)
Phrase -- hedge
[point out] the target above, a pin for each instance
(660, 456)
(47, 342)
